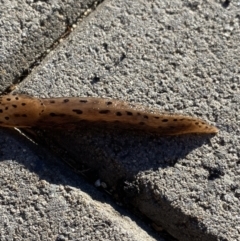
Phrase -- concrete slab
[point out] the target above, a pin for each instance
(41, 199)
(176, 56)
(29, 29)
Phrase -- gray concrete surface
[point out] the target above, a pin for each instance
(42, 199)
(29, 29)
(177, 56)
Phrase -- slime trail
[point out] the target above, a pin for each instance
(25, 111)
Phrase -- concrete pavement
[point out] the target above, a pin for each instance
(176, 56)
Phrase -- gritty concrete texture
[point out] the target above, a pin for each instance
(28, 29)
(41, 199)
(176, 56)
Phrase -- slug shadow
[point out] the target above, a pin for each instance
(115, 154)
(19, 184)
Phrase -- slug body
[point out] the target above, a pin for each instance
(24, 111)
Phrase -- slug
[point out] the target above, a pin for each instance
(24, 111)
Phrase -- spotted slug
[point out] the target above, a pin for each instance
(25, 111)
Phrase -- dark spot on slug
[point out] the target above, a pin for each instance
(66, 100)
(138, 113)
(203, 123)
(1, 111)
(141, 123)
(83, 101)
(6, 118)
(16, 98)
(54, 114)
(52, 101)
(146, 117)
(156, 117)
(8, 99)
(118, 113)
(79, 112)
(17, 115)
(14, 106)
(129, 113)
(6, 108)
(196, 123)
(182, 119)
(24, 115)
(23, 104)
(109, 103)
(104, 111)
(165, 120)
(175, 119)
